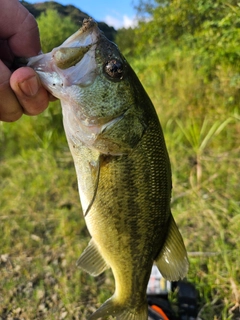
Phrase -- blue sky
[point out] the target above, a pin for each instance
(118, 13)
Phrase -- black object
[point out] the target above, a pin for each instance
(187, 301)
(160, 308)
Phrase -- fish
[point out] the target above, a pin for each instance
(122, 166)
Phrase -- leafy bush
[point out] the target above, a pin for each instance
(54, 29)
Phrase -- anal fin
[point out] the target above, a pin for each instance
(91, 260)
(113, 308)
(172, 261)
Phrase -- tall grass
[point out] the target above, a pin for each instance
(201, 123)
(41, 227)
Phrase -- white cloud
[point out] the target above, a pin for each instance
(129, 22)
(113, 22)
(121, 22)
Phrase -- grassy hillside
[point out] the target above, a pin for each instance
(42, 230)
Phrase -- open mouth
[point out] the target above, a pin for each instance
(72, 63)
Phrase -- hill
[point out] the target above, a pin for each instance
(76, 14)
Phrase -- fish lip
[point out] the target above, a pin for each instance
(88, 23)
(78, 38)
(82, 74)
(75, 40)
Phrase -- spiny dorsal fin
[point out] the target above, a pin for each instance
(172, 261)
(91, 260)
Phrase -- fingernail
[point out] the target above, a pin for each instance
(30, 86)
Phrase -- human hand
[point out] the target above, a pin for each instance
(20, 91)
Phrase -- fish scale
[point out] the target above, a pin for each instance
(134, 196)
(122, 166)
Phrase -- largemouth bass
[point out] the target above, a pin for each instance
(122, 166)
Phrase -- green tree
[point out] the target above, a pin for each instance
(54, 29)
(207, 29)
(125, 39)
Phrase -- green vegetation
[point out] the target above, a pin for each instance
(73, 14)
(50, 39)
(187, 57)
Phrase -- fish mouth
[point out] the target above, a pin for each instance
(66, 71)
(72, 63)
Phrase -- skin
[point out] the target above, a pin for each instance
(21, 91)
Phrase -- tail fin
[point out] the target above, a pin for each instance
(121, 312)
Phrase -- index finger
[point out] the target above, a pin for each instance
(20, 28)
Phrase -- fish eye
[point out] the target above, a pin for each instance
(114, 69)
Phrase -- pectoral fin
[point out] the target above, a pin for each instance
(95, 170)
(91, 260)
(172, 261)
